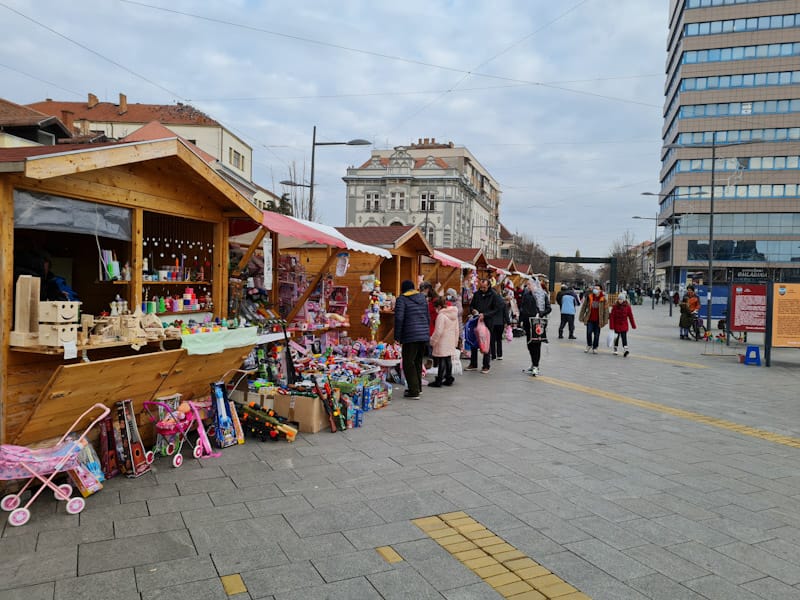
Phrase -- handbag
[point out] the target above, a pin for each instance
(484, 337)
(538, 327)
(610, 338)
(458, 368)
(509, 335)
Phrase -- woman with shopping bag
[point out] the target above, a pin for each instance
(534, 306)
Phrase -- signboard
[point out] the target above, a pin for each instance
(748, 309)
(719, 303)
(750, 274)
(785, 315)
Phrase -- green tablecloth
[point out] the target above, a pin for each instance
(217, 341)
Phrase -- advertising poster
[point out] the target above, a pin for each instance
(786, 315)
(748, 307)
(719, 300)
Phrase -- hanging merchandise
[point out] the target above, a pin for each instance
(266, 248)
(367, 282)
(372, 314)
(342, 263)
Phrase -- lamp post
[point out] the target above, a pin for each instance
(655, 236)
(310, 184)
(713, 145)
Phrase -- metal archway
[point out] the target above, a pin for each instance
(611, 260)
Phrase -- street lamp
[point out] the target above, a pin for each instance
(310, 184)
(655, 237)
(713, 145)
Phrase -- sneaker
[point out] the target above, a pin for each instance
(587, 349)
(484, 371)
(470, 368)
(572, 337)
(625, 353)
(535, 371)
(499, 358)
(410, 396)
(435, 384)
(615, 352)
(448, 382)
(528, 371)
(594, 350)
(561, 337)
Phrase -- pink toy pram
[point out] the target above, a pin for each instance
(43, 464)
(177, 427)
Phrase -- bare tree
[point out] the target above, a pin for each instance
(622, 250)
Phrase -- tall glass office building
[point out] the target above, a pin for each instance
(731, 156)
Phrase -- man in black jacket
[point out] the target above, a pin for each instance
(412, 330)
(487, 303)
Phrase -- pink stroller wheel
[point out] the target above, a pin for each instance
(149, 457)
(177, 460)
(170, 448)
(10, 502)
(75, 505)
(19, 516)
(64, 492)
(198, 451)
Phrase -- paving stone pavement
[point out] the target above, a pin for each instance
(629, 478)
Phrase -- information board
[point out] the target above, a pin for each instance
(748, 307)
(786, 315)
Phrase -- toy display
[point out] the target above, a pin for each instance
(42, 465)
(224, 431)
(173, 421)
(129, 445)
(266, 424)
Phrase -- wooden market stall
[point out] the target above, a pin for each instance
(445, 270)
(477, 268)
(407, 246)
(128, 220)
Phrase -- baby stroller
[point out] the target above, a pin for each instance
(43, 464)
(173, 426)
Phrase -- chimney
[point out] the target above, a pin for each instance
(425, 141)
(419, 141)
(123, 104)
(66, 118)
(93, 101)
(433, 140)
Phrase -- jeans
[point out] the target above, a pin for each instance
(413, 353)
(593, 334)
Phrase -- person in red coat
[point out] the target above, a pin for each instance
(621, 315)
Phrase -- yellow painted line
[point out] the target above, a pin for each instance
(233, 584)
(508, 571)
(669, 361)
(678, 412)
(389, 554)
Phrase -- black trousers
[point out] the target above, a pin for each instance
(624, 336)
(413, 353)
(534, 348)
(497, 341)
(445, 372)
(473, 359)
(567, 320)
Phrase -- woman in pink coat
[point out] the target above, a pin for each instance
(621, 314)
(444, 341)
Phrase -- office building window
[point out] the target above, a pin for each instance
(427, 201)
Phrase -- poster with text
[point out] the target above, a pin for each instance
(786, 315)
(748, 307)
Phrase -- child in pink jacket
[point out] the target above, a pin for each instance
(444, 341)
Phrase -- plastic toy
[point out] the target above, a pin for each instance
(42, 465)
(175, 427)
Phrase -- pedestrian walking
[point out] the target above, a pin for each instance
(533, 310)
(444, 341)
(567, 302)
(412, 330)
(594, 314)
(488, 305)
(621, 315)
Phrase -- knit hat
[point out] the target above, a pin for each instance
(406, 286)
(622, 296)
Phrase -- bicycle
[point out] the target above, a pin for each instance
(697, 329)
(739, 336)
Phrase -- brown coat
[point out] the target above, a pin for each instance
(587, 305)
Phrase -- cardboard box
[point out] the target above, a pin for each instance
(59, 312)
(306, 410)
(57, 335)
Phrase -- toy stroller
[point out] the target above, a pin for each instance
(173, 425)
(43, 464)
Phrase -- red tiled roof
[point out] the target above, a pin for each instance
(179, 114)
(156, 131)
(465, 254)
(505, 234)
(18, 154)
(16, 114)
(500, 263)
(376, 236)
(523, 267)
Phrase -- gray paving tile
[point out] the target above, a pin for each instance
(495, 518)
(660, 587)
(333, 496)
(475, 591)
(266, 554)
(19, 544)
(159, 506)
(611, 561)
(763, 561)
(309, 483)
(198, 486)
(113, 512)
(90, 532)
(558, 530)
(169, 573)
(718, 564)
(531, 541)
(132, 527)
(239, 535)
(694, 530)
(318, 546)
(606, 531)
(403, 582)
(278, 505)
(384, 534)
(283, 578)
(664, 561)
(41, 521)
(216, 514)
(119, 584)
(718, 588)
(97, 557)
(354, 564)
(247, 494)
(412, 505)
(147, 492)
(50, 564)
(332, 518)
(42, 591)
(772, 589)
(190, 471)
(351, 589)
(439, 568)
(209, 589)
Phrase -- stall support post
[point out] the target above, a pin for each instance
(311, 287)
(6, 300)
(219, 294)
(135, 297)
(276, 255)
(247, 255)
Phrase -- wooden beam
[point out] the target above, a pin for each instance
(6, 300)
(247, 255)
(219, 293)
(446, 282)
(276, 255)
(311, 287)
(135, 296)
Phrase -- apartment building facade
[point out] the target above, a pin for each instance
(440, 187)
(731, 141)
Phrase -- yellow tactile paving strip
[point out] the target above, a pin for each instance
(507, 570)
(669, 361)
(677, 412)
(233, 584)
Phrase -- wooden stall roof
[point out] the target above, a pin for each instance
(503, 264)
(474, 256)
(178, 157)
(392, 237)
(524, 268)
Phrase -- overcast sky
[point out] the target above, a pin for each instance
(560, 100)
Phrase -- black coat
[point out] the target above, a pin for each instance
(490, 305)
(411, 318)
